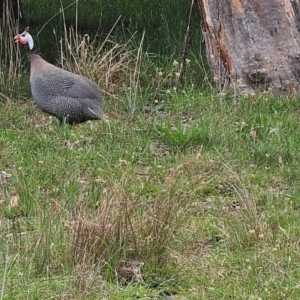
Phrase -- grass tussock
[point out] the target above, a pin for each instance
(129, 227)
(107, 64)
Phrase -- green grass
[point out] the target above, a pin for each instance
(203, 191)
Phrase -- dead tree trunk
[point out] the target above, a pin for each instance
(253, 44)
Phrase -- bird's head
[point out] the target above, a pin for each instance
(25, 39)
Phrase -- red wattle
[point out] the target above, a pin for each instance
(19, 39)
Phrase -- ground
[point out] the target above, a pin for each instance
(204, 191)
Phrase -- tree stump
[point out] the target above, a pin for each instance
(253, 45)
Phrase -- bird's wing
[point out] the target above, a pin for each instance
(67, 84)
(77, 86)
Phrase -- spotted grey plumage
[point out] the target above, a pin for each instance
(66, 95)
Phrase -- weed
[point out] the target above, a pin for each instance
(182, 136)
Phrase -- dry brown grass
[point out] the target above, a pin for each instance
(129, 227)
(108, 64)
(10, 60)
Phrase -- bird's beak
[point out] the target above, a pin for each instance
(19, 39)
(16, 38)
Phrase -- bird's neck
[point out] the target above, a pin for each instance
(36, 63)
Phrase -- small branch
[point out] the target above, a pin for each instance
(186, 42)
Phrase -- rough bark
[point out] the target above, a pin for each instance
(253, 44)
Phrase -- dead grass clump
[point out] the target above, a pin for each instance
(89, 237)
(128, 228)
(107, 64)
(86, 276)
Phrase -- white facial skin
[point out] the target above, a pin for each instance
(28, 38)
(25, 39)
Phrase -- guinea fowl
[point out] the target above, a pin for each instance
(68, 96)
